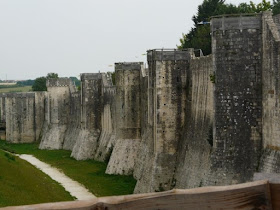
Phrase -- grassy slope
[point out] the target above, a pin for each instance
(89, 173)
(21, 183)
(8, 89)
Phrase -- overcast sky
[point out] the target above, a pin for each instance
(70, 37)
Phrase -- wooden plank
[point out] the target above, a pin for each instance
(274, 182)
(275, 195)
(254, 195)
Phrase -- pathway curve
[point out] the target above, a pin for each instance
(73, 187)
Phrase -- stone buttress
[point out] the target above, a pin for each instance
(91, 110)
(128, 121)
(237, 59)
(166, 113)
(57, 112)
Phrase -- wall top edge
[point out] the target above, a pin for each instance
(20, 95)
(155, 55)
(128, 66)
(237, 22)
(238, 15)
(90, 76)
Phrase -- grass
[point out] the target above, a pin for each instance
(21, 184)
(13, 89)
(90, 173)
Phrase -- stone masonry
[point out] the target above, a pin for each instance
(23, 114)
(58, 111)
(128, 127)
(237, 48)
(184, 122)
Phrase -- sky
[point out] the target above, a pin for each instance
(70, 37)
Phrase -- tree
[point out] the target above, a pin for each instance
(40, 82)
(52, 75)
(199, 36)
(276, 7)
(263, 6)
(76, 81)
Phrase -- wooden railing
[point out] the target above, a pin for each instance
(254, 195)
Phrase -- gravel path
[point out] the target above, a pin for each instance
(74, 188)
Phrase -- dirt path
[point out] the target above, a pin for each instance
(74, 188)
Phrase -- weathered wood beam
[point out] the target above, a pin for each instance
(253, 195)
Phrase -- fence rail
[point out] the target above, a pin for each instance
(254, 195)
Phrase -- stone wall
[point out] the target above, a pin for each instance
(108, 120)
(195, 147)
(166, 104)
(58, 112)
(40, 102)
(24, 116)
(128, 120)
(2, 116)
(2, 107)
(270, 74)
(145, 155)
(87, 141)
(74, 122)
(236, 48)
(184, 122)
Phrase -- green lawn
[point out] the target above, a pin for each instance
(21, 184)
(90, 173)
(7, 89)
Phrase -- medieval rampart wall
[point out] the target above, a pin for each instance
(128, 118)
(237, 59)
(193, 160)
(270, 88)
(24, 116)
(57, 113)
(87, 141)
(185, 122)
(166, 108)
(108, 120)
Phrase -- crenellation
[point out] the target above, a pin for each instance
(61, 82)
(58, 112)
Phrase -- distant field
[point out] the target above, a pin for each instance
(22, 184)
(8, 84)
(9, 89)
(90, 173)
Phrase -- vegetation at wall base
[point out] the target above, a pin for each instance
(22, 184)
(90, 173)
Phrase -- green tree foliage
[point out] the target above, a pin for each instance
(40, 82)
(276, 7)
(199, 36)
(52, 75)
(76, 81)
